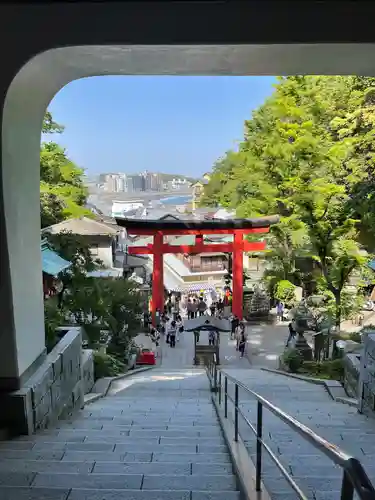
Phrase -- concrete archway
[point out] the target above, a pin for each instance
(40, 67)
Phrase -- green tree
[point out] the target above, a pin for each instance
(97, 304)
(307, 154)
(62, 192)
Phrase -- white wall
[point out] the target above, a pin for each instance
(104, 253)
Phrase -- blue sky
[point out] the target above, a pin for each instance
(170, 124)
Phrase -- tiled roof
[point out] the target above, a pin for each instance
(83, 226)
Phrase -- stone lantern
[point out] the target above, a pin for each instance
(301, 326)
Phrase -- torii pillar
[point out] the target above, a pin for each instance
(237, 273)
(157, 276)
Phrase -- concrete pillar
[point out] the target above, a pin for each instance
(22, 342)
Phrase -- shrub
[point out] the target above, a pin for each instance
(53, 318)
(293, 359)
(285, 292)
(106, 365)
(329, 369)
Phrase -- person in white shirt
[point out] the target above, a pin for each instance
(179, 327)
(172, 331)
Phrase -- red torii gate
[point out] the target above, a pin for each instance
(158, 229)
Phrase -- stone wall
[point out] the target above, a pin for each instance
(54, 391)
(87, 370)
(367, 376)
(352, 366)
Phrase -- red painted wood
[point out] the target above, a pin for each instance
(157, 276)
(237, 272)
(247, 246)
(179, 232)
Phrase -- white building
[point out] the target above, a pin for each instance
(119, 208)
(102, 238)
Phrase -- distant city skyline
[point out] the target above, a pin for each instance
(112, 182)
(169, 124)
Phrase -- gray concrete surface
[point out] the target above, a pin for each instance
(310, 404)
(156, 438)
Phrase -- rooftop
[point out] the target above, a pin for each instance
(83, 226)
(201, 225)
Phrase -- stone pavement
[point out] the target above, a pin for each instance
(266, 342)
(159, 439)
(310, 404)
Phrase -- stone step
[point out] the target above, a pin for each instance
(130, 481)
(26, 493)
(99, 436)
(38, 447)
(172, 431)
(208, 446)
(142, 434)
(147, 468)
(161, 456)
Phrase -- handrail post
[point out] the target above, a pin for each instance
(236, 412)
(226, 397)
(258, 478)
(219, 387)
(347, 489)
(215, 377)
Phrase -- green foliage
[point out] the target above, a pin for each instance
(285, 243)
(292, 359)
(308, 155)
(75, 249)
(62, 192)
(285, 292)
(53, 318)
(106, 365)
(328, 369)
(49, 126)
(97, 304)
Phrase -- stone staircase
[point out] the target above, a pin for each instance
(159, 439)
(340, 424)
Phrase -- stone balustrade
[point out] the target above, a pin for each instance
(55, 389)
(367, 376)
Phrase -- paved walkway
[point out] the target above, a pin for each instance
(183, 354)
(266, 343)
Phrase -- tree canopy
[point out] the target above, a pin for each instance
(62, 192)
(308, 155)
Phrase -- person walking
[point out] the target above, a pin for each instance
(213, 309)
(234, 321)
(194, 309)
(179, 327)
(292, 334)
(202, 306)
(172, 331)
(242, 343)
(239, 331)
(211, 337)
(220, 307)
(280, 311)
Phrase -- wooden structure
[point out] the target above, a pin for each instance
(158, 229)
(203, 353)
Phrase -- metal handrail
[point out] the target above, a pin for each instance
(354, 475)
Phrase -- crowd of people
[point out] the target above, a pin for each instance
(170, 324)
